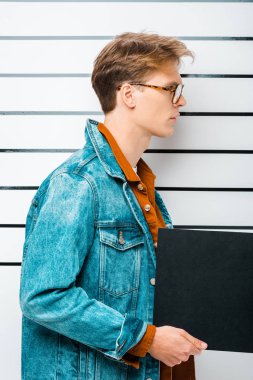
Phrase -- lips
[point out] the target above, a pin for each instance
(174, 117)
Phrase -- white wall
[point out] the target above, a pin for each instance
(46, 55)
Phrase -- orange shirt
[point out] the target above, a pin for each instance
(142, 185)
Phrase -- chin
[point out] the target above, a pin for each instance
(169, 130)
(164, 133)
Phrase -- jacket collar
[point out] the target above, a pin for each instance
(111, 164)
(95, 140)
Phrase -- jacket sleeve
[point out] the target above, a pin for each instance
(55, 250)
(132, 356)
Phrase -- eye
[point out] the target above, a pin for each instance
(171, 88)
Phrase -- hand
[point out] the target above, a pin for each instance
(172, 345)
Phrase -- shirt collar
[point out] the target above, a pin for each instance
(111, 155)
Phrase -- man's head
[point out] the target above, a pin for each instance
(146, 59)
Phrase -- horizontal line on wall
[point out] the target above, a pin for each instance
(187, 151)
(12, 264)
(159, 188)
(13, 225)
(101, 113)
(175, 226)
(85, 75)
(187, 38)
(19, 187)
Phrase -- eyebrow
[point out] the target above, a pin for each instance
(172, 83)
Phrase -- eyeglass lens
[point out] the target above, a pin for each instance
(177, 93)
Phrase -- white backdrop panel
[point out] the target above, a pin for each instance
(218, 57)
(77, 56)
(10, 326)
(209, 208)
(178, 19)
(11, 240)
(171, 169)
(67, 132)
(77, 94)
(200, 170)
(33, 167)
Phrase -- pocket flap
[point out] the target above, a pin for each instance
(121, 238)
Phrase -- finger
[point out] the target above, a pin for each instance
(168, 363)
(176, 360)
(190, 349)
(196, 342)
(195, 351)
(185, 357)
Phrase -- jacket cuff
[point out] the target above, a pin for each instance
(131, 357)
(132, 330)
(141, 348)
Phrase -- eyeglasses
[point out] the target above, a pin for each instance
(177, 89)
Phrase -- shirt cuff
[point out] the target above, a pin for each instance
(131, 357)
(132, 360)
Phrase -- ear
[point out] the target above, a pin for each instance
(128, 95)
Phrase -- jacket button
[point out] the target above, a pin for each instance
(155, 244)
(140, 187)
(152, 281)
(147, 207)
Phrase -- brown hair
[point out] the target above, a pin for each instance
(132, 57)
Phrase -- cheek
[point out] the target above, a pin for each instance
(154, 106)
(147, 109)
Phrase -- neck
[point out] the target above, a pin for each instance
(132, 139)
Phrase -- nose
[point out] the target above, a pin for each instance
(181, 101)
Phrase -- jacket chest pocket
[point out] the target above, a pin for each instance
(120, 259)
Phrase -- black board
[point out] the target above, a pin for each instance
(204, 284)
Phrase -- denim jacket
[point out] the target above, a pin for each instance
(86, 295)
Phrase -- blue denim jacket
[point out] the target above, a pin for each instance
(86, 296)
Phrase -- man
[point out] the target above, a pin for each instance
(88, 269)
